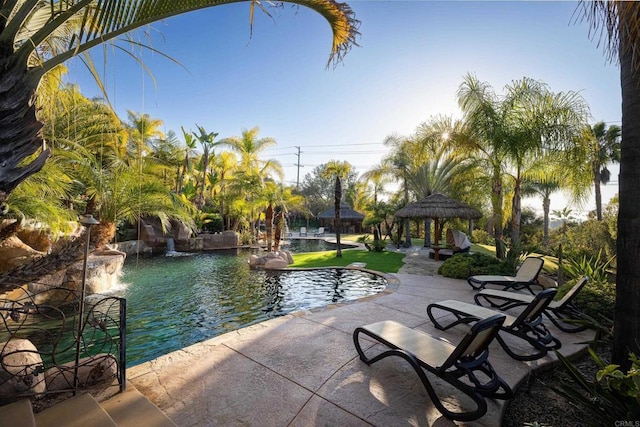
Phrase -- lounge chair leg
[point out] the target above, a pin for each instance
(478, 399)
(460, 319)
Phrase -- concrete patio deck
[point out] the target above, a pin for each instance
(303, 370)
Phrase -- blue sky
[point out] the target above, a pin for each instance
(411, 60)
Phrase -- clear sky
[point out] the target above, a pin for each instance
(411, 60)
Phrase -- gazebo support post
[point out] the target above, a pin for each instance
(436, 241)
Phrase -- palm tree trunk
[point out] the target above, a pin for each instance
(268, 223)
(516, 212)
(337, 199)
(20, 130)
(627, 308)
(598, 194)
(546, 204)
(407, 223)
(277, 234)
(496, 202)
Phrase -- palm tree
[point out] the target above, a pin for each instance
(278, 199)
(398, 163)
(189, 150)
(555, 171)
(377, 178)
(485, 134)
(602, 146)
(621, 22)
(249, 147)
(538, 120)
(225, 164)
(440, 168)
(338, 170)
(142, 129)
(206, 140)
(38, 36)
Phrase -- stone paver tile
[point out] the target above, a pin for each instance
(320, 412)
(412, 304)
(221, 387)
(306, 352)
(389, 392)
(349, 317)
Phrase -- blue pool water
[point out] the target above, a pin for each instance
(173, 302)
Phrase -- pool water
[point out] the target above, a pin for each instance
(310, 245)
(173, 302)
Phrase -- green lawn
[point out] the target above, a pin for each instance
(386, 262)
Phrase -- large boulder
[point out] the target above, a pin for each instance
(91, 371)
(103, 272)
(275, 264)
(21, 369)
(14, 252)
(271, 260)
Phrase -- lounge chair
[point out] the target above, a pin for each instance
(303, 231)
(445, 360)
(559, 312)
(525, 277)
(528, 325)
(320, 232)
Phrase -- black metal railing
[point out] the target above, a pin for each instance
(46, 349)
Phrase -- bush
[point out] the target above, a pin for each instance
(597, 299)
(480, 237)
(246, 238)
(612, 398)
(461, 266)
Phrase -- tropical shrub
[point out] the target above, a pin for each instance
(461, 266)
(589, 237)
(246, 238)
(597, 299)
(612, 398)
(481, 237)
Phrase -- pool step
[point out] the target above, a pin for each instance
(127, 409)
(17, 414)
(82, 410)
(131, 409)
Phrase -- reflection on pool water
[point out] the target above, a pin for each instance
(175, 302)
(310, 245)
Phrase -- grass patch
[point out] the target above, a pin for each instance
(386, 262)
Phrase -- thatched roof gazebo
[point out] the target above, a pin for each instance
(437, 206)
(348, 216)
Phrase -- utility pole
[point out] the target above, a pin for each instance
(298, 165)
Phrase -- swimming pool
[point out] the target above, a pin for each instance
(297, 246)
(173, 302)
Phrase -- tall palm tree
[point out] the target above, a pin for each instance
(602, 146)
(278, 199)
(485, 130)
(338, 170)
(515, 129)
(621, 23)
(225, 164)
(377, 178)
(439, 167)
(250, 147)
(142, 129)
(37, 36)
(207, 141)
(398, 163)
(190, 143)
